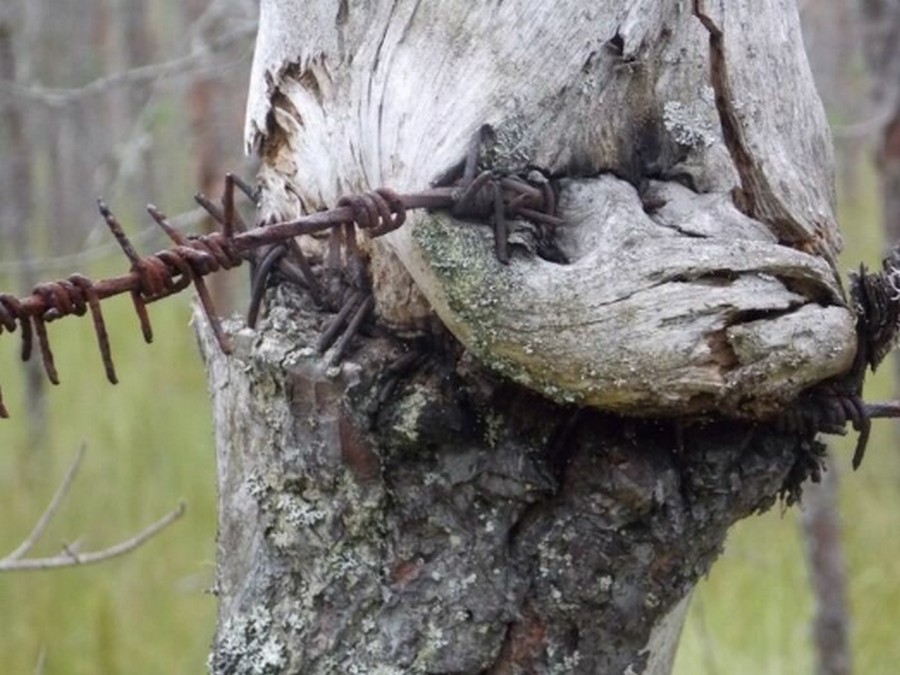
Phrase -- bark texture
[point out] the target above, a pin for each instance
(451, 522)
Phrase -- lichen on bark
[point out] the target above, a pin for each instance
(453, 522)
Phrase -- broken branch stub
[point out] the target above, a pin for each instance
(697, 189)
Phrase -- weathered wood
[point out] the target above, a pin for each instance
(652, 314)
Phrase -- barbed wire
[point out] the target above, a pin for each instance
(193, 257)
(486, 198)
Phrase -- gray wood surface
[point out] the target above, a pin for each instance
(711, 302)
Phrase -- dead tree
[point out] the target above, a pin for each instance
(536, 445)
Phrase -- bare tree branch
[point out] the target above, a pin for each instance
(41, 662)
(49, 512)
(187, 221)
(70, 557)
(870, 126)
(199, 60)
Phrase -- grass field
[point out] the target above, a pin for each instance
(149, 446)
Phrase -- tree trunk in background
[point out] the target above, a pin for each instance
(135, 149)
(881, 33)
(828, 575)
(209, 99)
(882, 41)
(832, 36)
(469, 514)
(73, 135)
(16, 212)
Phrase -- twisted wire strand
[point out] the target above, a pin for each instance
(192, 257)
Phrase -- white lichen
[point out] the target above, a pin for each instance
(246, 645)
(692, 124)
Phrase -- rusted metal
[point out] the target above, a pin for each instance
(829, 407)
(258, 284)
(331, 333)
(192, 257)
(362, 312)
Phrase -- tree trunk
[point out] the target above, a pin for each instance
(821, 524)
(455, 523)
(490, 509)
(833, 40)
(17, 213)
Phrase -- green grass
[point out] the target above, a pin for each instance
(148, 446)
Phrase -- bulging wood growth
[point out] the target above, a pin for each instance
(447, 521)
(694, 172)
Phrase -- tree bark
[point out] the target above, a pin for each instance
(457, 523)
(488, 510)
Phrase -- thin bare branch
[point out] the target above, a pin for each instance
(42, 523)
(199, 60)
(874, 124)
(70, 558)
(42, 266)
(41, 662)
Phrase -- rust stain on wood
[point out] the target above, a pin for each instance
(357, 453)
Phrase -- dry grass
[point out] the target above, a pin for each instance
(149, 445)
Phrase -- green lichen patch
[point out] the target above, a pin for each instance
(474, 285)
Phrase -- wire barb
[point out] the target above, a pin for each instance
(487, 198)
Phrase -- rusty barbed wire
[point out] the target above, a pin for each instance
(487, 197)
(193, 257)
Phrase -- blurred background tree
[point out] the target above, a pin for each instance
(143, 102)
(138, 102)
